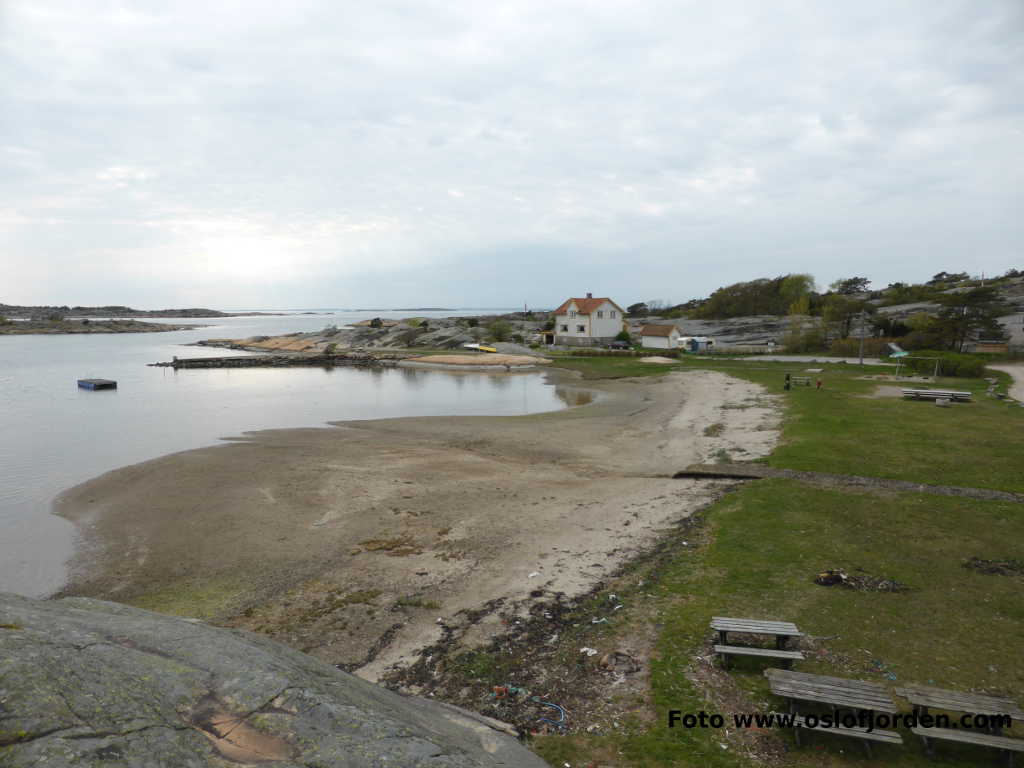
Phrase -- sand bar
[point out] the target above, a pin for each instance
(332, 539)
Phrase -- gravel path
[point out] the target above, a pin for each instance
(1017, 372)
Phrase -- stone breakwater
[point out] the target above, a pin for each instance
(279, 361)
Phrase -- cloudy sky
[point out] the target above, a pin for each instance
(461, 153)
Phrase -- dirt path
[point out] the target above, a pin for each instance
(353, 542)
(1017, 372)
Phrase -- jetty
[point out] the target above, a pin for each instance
(97, 384)
(362, 360)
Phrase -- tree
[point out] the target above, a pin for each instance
(764, 296)
(849, 286)
(623, 336)
(638, 309)
(840, 309)
(969, 313)
(499, 330)
(802, 306)
(948, 277)
(794, 287)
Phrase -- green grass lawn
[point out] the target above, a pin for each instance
(762, 545)
(842, 429)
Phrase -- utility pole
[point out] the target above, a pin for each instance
(862, 337)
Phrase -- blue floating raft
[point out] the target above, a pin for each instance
(97, 384)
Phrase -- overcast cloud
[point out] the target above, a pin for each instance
(344, 154)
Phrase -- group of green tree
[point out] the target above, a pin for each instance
(960, 308)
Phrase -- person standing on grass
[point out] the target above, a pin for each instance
(819, 384)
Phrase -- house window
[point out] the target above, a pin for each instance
(600, 314)
(565, 328)
(572, 313)
(611, 314)
(581, 329)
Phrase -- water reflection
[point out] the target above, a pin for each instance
(501, 382)
(58, 435)
(574, 397)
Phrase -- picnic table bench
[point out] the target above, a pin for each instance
(935, 394)
(803, 381)
(854, 731)
(782, 631)
(924, 697)
(837, 693)
(1005, 744)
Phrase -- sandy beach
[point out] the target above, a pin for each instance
(357, 542)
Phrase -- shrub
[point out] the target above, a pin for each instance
(518, 338)
(950, 364)
(807, 339)
(408, 337)
(329, 349)
(472, 322)
(850, 347)
(623, 336)
(499, 330)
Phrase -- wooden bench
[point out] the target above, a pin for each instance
(924, 697)
(935, 394)
(853, 731)
(788, 657)
(837, 692)
(966, 736)
(780, 630)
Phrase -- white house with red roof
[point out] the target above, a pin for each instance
(588, 322)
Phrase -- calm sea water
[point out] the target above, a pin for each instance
(54, 435)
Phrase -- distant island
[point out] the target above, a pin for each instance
(46, 312)
(10, 327)
(405, 309)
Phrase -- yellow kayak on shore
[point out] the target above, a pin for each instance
(482, 348)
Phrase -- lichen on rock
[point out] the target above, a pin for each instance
(90, 683)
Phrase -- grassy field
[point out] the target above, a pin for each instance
(760, 548)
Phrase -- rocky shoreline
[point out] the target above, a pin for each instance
(18, 327)
(118, 311)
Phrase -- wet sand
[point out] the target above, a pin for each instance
(352, 542)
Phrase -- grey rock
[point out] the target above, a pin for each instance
(91, 683)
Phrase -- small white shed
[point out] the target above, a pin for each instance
(659, 336)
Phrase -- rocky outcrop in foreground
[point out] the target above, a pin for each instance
(91, 683)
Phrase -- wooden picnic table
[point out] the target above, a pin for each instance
(782, 631)
(924, 697)
(838, 692)
(932, 394)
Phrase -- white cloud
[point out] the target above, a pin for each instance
(334, 147)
